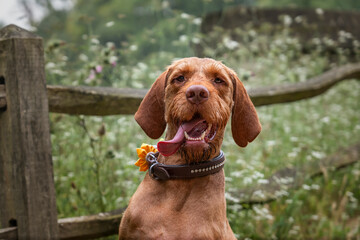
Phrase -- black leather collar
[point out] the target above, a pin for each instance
(159, 171)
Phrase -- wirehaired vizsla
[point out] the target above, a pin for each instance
(183, 196)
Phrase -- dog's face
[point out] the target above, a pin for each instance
(198, 103)
(195, 98)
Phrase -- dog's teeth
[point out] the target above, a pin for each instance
(186, 135)
(203, 135)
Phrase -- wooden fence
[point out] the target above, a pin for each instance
(27, 193)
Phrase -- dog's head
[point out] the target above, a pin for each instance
(195, 97)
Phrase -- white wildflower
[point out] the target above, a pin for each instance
(137, 84)
(263, 212)
(287, 20)
(257, 175)
(292, 154)
(263, 181)
(230, 44)
(281, 193)
(242, 161)
(195, 40)
(325, 119)
(142, 66)
(271, 143)
(237, 174)
(298, 19)
(133, 48)
(95, 41)
(252, 33)
(110, 44)
(83, 57)
(295, 230)
(50, 65)
(229, 197)
(247, 180)
(259, 193)
(119, 200)
(185, 16)
(228, 179)
(183, 38)
(197, 21)
(113, 59)
(315, 186)
(110, 24)
(318, 155)
(319, 11)
(165, 4)
(315, 217)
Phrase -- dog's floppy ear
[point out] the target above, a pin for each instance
(245, 124)
(150, 115)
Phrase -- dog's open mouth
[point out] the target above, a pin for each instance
(195, 131)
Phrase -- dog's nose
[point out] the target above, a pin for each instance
(197, 94)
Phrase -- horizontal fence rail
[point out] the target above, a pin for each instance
(102, 101)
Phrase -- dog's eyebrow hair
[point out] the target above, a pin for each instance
(183, 67)
(213, 68)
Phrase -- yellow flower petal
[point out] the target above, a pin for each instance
(142, 152)
(140, 162)
(144, 167)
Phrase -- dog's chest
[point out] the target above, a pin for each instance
(178, 213)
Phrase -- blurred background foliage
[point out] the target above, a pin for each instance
(122, 43)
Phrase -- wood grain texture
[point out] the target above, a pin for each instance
(2, 97)
(99, 101)
(84, 227)
(27, 194)
(103, 101)
(9, 233)
(89, 227)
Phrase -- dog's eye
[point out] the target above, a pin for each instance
(218, 80)
(180, 78)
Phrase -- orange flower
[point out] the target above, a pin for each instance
(142, 152)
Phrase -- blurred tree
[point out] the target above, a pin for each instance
(116, 20)
(328, 4)
(150, 25)
(127, 17)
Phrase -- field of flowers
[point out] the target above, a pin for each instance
(94, 156)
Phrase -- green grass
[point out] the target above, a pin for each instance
(94, 170)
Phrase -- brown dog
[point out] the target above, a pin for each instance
(194, 97)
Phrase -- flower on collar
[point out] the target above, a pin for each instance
(142, 152)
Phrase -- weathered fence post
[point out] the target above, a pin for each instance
(27, 193)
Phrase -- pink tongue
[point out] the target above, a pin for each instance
(169, 147)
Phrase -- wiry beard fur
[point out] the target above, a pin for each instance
(197, 157)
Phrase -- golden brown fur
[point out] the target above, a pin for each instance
(195, 208)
